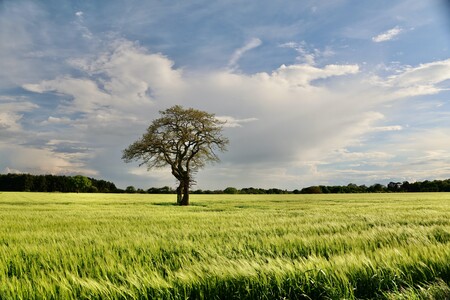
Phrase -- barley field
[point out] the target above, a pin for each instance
(111, 246)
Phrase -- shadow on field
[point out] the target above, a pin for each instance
(165, 204)
(175, 204)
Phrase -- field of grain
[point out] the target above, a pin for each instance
(105, 246)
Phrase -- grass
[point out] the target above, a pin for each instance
(106, 246)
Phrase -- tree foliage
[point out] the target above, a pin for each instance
(185, 140)
(81, 183)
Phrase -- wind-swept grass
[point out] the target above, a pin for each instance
(91, 246)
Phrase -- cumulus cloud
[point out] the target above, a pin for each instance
(114, 98)
(123, 80)
(387, 35)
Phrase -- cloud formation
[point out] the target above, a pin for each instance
(286, 118)
(387, 35)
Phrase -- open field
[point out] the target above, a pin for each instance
(106, 246)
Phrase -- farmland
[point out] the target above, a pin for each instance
(115, 246)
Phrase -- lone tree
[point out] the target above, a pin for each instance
(185, 140)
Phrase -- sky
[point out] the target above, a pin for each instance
(313, 92)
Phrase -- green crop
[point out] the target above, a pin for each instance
(111, 246)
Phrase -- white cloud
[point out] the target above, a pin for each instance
(233, 122)
(422, 154)
(83, 29)
(9, 121)
(87, 96)
(303, 75)
(42, 161)
(388, 35)
(253, 43)
(306, 55)
(11, 114)
(424, 74)
(56, 120)
(346, 155)
(425, 79)
(388, 128)
(8, 170)
(162, 174)
(413, 155)
(115, 95)
(124, 80)
(58, 142)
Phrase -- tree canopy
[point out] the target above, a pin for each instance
(185, 140)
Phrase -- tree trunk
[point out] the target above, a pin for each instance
(185, 199)
(179, 193)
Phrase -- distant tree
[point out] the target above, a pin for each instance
(252, 190)
(103, 186)
(312, 190)
(324, 189)
(80, 183)
(415, 186)
(394, 186)
(429, 186)
(445, 186)
(230, 190)
(130, 189)
(185, 140)
(275, 191)
(377, 188)
(163, 190)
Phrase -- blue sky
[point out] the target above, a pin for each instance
(314, 92)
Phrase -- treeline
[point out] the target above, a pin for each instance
(392, 187)
(83, 184)
(54, 183)
(228, 190)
